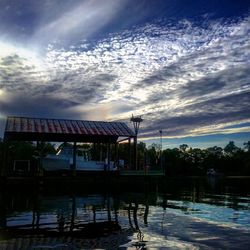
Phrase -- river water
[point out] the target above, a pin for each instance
(178, 214)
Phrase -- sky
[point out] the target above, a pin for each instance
(183, 65)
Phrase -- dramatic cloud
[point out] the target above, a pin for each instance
(182, 75)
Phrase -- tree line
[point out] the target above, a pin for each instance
(181, 161)
(186, 161)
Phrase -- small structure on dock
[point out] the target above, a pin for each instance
(74, 131)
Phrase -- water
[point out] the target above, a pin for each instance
(177, 214)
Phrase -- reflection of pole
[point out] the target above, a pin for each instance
(3, 214)
(36, 212)
(135, 216)
(161, 148)
(164, 205)
(116, 207)
(129, 216)
(38, 219)
(108, 209)
(94, 214)
(145, 217)
(72, 222)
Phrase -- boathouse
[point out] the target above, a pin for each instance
(74, 131)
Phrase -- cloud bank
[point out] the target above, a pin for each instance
(181, 76)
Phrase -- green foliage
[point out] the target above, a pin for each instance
(231, 149)
(44, 148)
(184, 160)
(183, 147)
(247, 146)
(20, 150)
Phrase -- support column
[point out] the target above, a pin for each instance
(108, 150)
(100, 151)
(129, 153)
(5, 159)
(135, 153)
(136, 122)
(39, 148)
(3, 212)
(116, 154)
(74, 157)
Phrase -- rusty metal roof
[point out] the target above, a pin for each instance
(58, 129)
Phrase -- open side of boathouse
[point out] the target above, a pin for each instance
(76, 131)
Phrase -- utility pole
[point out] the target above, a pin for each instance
(136, 122)
(160, 131)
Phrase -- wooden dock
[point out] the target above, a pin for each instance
(100, 178)
(142, 173)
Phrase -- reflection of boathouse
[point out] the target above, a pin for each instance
(103, 135)
(63, 216)
(79, 217)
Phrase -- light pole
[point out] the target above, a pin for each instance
(160, 131)
(136, 122)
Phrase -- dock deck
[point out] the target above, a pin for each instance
(142, 173)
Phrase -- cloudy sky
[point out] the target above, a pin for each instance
(184, 65)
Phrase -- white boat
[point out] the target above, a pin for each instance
(63, 160)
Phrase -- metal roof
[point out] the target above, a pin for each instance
(25, 128)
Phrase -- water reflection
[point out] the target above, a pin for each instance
(184, 217)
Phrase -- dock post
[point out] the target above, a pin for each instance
(74, 159)
(109, 154)
(116, 154)
(4, 166)
(136, 122)
(129, 153)
(135, 152)
(3, 212)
